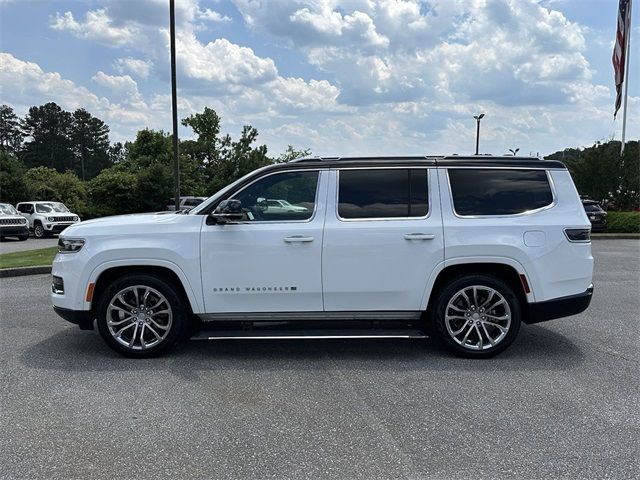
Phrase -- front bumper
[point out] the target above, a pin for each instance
(82, 318)
(56, 227)
(559, 307)
(14, 230)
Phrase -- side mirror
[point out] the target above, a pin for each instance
(228, 211)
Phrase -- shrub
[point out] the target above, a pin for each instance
(113, 192)
(623, 222)
(43, 183)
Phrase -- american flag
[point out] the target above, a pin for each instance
(619, 50)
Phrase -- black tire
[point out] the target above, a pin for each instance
(38, 230)
(179, 314)
(451, 291)
(24, 237)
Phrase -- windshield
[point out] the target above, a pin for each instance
(6, 209)
(51, 207)
(213, 198)
(591, 207)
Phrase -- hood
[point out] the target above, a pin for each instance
(134, 223)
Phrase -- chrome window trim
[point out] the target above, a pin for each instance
(384, 219)
(552, 187)
(271, 222)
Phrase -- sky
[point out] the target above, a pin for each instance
(340, 77)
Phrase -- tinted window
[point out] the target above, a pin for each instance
(499, 192)
(260, 200)
(383, 193)
(193, 202)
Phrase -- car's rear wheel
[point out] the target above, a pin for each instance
(477, 316)
(141, 315)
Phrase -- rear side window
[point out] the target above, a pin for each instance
(383, 193)
(499, 192)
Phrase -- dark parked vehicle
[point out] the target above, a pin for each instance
(597, 215)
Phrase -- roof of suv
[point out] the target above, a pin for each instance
(446, 161)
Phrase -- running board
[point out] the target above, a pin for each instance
(317, 334)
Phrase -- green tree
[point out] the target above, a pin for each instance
(291, 154)
(11, 135)
(90, 144)
(43, 183)
(113, 192)
(49, 130)
(602, 174)
(12, 185)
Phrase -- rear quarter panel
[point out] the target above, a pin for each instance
(534, 240)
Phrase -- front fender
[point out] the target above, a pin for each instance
(195, 300)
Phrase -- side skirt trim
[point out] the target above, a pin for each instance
(309, 316)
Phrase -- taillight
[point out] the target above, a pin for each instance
(581, 235)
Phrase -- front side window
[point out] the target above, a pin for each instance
(499, 192)
(383, 193)
(287, 196)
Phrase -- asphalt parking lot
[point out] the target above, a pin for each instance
(562, 402)
(14, 245)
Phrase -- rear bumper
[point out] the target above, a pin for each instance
(559, 307)
(82, 318)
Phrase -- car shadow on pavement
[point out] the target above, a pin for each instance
(537, 348)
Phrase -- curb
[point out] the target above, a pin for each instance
(21, 271)
(615, 236)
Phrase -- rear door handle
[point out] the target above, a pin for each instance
(298, 239)
(419, 236)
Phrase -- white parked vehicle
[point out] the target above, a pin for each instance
(12, 224)
(47, 218)
(186, 203)
(474, 246)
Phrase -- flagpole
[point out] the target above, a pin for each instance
(627, 59)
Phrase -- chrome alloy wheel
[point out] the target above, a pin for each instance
(139, 317)
(478, 317)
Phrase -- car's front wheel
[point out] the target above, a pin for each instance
(477, 316)
(141, 315)
(38, 230)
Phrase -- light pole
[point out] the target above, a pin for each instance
(174, 101)
(514, 152)
(478, 118)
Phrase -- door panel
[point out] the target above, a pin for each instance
(266, 266)
(379, 264)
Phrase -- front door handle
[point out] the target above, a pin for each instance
(419, 236)
(298, 239)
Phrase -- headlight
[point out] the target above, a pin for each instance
(24, 220)
(51, 219)
(76, 218)
(70, 245)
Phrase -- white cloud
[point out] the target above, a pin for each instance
(138, 67)
(223, 62)
(96, 26)
(391, 75)
(212, 16)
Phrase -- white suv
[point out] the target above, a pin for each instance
(379, 247)
(47, 218)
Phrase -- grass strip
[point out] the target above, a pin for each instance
(28, 258)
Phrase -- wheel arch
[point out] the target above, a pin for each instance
(106, 273)
(507, 270)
